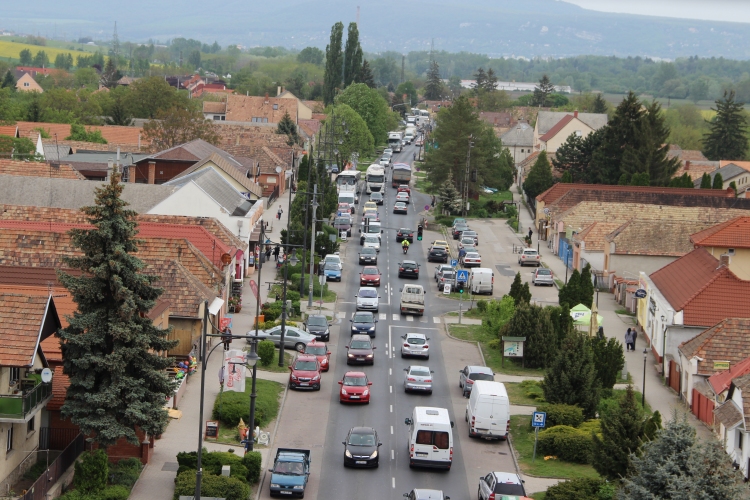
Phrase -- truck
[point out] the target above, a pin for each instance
(375, 178)
(412, 300)
(401, 174)
(394, 141)
(410, 134)
(290, 472)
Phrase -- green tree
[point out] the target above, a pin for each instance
(408, 89)
(117, 112)
(566, 178)
(433, 89)
(352, 56)
(40, 59)
(621, 433)
(571, 291)
(79, 133)
(118, 381)
(194, 59)
(539, 178)
(571, 377)
(366, 76)
(534, 323)
(63, 61)
(358, 140)
(334, 64)
(706, 181)
(600, 105)
(450, 197)
(491, 83)
(542, 92)
(727, 135)
(525, 293)
(580, 488)
(110, 74)
(575, 154)
(25, 57)
(148, 97)
(178, 125)
(480, 80)
(370, 106)
(516, 289)
(9, 82)
(586, 288)
(608, 359)
(621, 134)
(652, 426)
(683, 181)
(718, 182)
(287, 127)
(312, 55)
(562, 322)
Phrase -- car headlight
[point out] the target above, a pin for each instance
(369, 355)
(374, 454)
(274, 485)
(343, 391)
(349, 455)
(366, 392)
(294, 377)
(372, 328)
(350, 355)
(298, 487)
(316, 377)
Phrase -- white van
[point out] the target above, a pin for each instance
(481, 280)
(488, 411)
(348, 197)
(430, 438)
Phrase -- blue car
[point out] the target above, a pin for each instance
(332, 272)
(363, 323)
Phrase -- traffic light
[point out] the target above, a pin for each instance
(419, 232)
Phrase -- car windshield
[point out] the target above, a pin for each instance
(438, 250)
(400, 204)
(470, 234)
(372, 239)
(368, 250)
(472, 255)
(306, 365)
(370, 271)
(317, 321)
(460, 229)
(363, 318)
(376, 196)
(332, 266)
(342, 221)
(419, 371)
(317, 350)
(359, 344)
(355, 381)
(469, 241)
(481, 376)
(332, 259)
(509, 489)
(543, 272)
(415, 340)
(409, 265)
(361, 439)
(368, 294)
(448, 274)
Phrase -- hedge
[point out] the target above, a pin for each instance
(231, 406)
(212, 485)
(266, 352)
(91, 472)
(562, 414)
(580, 488)
(566, 443)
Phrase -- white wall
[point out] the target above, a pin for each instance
(632, 265)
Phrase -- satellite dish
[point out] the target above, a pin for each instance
(278, 170)
(46, 375)
(226, 258)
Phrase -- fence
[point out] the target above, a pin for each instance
(272, 197)
(56, 439)
(38, 491)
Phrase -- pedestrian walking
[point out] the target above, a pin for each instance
(227, 337)
(278, 214)
(629, 340)
(276, 251)
(530, 233)
(635, 334)
(268, 253)
(433, 200)
(600, 333)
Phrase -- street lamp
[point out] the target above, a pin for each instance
(643, 391)
(293, 261)
(251, 359)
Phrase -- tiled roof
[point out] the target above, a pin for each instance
(594, 235)
(721, 381)
(561, 189)
(60, 383)
(214, 107)
(9, 130)
(548, 119)
(114, 134)
(723, 297)
(522, 134)
(739, 163)
(496, 119)
(242, 108)
(647, 237)
(315, 106)
(21, 327)
(696, 168)
(557, 128)
(734, 233)
(685, 154)
(725, 341)
(678, 281)
(194, 150)
(312, 126)
(231, 168)
(79, 146)
(728, 413)
(39, 169)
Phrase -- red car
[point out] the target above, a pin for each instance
(355, 388)
(305, 373)
(320, 351)
(370, 276)
(404, 188)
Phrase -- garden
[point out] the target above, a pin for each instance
(230, 407)
(244, 472)
(96, 479)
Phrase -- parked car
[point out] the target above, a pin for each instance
(318, 325)
(529, 257)
(290, 472)
(458, 229)
(543, 276)
(465, 241)
(408, 268)
(367, 299)
(471, 234)
(360, 350)
(500, 485)
(441, 268)
(355, 388)
(368, 255)
(422, 494)
(470, 373)
(415, 344)
(370, 276)
(400, 208)
(320, 351)
(363, 322)
(334, 258)
(458, 220)
(305, 373)
(439, 244)
(418, 379)
(361, 447)
(437, 254)
(447, 277)
(294, 338)
(472, 259)
(405, 234)
(332, 272)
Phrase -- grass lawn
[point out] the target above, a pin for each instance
(522, 394)
(523, 441)
(274, 367)
(266, 404)
(539, 496)
(493, 358)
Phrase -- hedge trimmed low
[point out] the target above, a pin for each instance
(566, 443)
(229, 488)
(561, 414)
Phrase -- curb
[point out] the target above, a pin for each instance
(272, 442)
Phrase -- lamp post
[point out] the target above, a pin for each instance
(312, 246)
(252, 360)
(643, 391)
(293, 260)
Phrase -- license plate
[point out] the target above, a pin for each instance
(285, 492)
(419, 454)
(304, 384)
(355, 397)
(361, 462)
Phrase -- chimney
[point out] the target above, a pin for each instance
(266, 97)
(687, 165)
(278, 91)
(575, 114)
(151, 172)
(110, 166)
(724, 260)
(131, 173)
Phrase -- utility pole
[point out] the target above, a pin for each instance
(465, 196)
(403, 58)
(312, 247)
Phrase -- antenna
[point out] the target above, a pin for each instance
(357, 15)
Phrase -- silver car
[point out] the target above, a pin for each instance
(415, 344)
(439, 269)
(294, 338)
(543, 276)
(469, 374)
(418, 379)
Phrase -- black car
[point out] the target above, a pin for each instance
(361, 447)
(437, 254)
(363, 323)
(368, 255)
(408, 269)
(458, 229)
(405, 234)
(318, 325)
(377, 197)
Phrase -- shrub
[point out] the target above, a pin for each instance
(293, 295)
(566, 443)
(266, 352)
(271, 311)
(229, 488)
(235, 405)
(532, 389)
(212, 463)
(91, 472)
(482, 305)
(252, 460)
(561, 414)
(126, 472)
(580, 488)
(494, 344)
(117, 492)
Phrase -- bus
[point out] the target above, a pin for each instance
(349, 180)
(423, 118)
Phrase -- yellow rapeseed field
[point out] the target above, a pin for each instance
(708, 114)
(13, 49)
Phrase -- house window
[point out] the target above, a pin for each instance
(740, 439)
(9, 444)
(26, 84)
(217, 117)
(730, 251)
(30, 424)
(275, 106)
(15, 374)
(265, 120)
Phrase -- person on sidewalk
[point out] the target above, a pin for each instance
(433, 201)
(268, 253)
(227, 338)
(635, 334)
(629, 340)
(278, 214)
(276, 251)
(530, 233)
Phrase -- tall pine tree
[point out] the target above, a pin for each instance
(118, 381)
(727, 135)
(718, 182)
(570, 292)
(706, 181)
(366, 76)
(621, 435)
(586, 288)
(332, 78)
(480, 80)
(433, 89)
(600, 105)
(352, 55)
(539, 178)
(542, 92)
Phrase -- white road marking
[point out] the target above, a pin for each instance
(390, 371)
(391, 388)
(382, 316)
(391, 429)
(395, 317)
(436, 319)
(393, 482)
(410, 318)
(392, 455)
(391, 408)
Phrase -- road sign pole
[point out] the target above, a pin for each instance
(536, 438)
(460, 304)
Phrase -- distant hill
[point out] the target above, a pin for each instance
(529, 28)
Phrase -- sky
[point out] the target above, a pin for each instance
(707, 10)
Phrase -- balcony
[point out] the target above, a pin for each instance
(32, 396)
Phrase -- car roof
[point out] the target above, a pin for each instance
(422, 494)
(472, 254)
(360, 336)
(355, 374)
(507, 477)
(362, 430)
(480, 369)
(413, 334)
(408, 262)
(405, 229)
(306, 357)
(368, 288)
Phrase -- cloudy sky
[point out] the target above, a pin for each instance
(714, 10)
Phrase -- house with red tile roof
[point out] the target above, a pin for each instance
(561, 131)
(732, 419)
(258, 110)
(26, 83)
(730, 239)
(39, 169)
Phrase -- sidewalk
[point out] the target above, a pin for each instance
(658, 396)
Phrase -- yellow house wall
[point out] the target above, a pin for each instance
(739, 263)
(555, 142)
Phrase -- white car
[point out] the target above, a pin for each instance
(415, 344)
(388, 151)
(335, 259)
(465, 241)
(367, 299)
(385, 160)
(402, 196)
(372, 242)
(472, 259)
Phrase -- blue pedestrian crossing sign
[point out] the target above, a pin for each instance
(539, 419)
(462, 275)
(454, 262)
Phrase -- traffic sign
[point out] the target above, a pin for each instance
(454, 262)
(640, 293)
(539, 419)
(447, 289)
(426, 207)
(462, 275)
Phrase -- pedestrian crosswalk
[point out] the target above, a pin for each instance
(398, 317)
